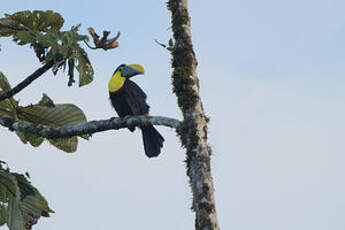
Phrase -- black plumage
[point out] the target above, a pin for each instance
(130, 99)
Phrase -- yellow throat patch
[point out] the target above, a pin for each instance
(116, 82)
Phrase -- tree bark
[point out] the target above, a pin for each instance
(193, 130)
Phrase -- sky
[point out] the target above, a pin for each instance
(272, 81)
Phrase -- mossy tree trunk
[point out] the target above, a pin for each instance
(193, 131)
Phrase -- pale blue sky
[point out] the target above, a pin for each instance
(272, 80)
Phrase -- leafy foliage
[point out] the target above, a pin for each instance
(6, 106)
(44, 113)
(37, 20)
(21, 204)
(41, 29)
(60, 47)
(84, 67)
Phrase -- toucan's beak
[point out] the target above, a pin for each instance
(132, 70)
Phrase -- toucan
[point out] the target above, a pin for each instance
(128, 98)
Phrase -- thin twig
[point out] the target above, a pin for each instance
(27, 81)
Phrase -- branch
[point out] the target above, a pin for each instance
(26, 81)
(87, 128)
(193, 130)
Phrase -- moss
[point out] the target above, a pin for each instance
(182, 82)
(184, 64)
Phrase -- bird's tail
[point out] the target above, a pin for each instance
(153, 141)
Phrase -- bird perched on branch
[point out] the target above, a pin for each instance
(128, 98)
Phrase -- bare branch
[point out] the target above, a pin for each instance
(87, 128)
(27, 81)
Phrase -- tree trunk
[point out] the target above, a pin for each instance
(193, 130)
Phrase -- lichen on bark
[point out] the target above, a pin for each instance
(193, 130)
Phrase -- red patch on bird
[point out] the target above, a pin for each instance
(117, 91)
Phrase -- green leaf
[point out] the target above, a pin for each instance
(43, 113)
(171, 42)
(6, 30)
(37, 20)
(46, 101)
(4, 85)
(3, 215)
(34, 205)
(27, 175)
(7, 107)
(56, 116)
(49, 114)
(34, 140)
(25, 37)
(3, 194)
(15, 220)
(22, 206)
(84, 68)
(69, 145)
(63, 46)
(24, 185)
(9, 184)
(40, 29)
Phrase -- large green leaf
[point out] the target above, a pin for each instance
(43, 113)
(49, 114)
(55, 116)
(9, 108)
(23, 205)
